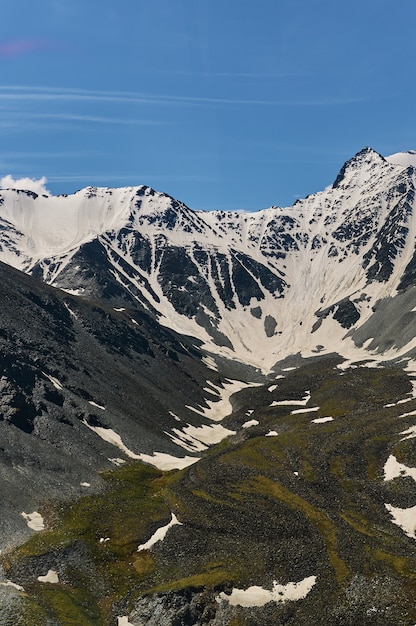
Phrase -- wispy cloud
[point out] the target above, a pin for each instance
(58, 178)
(47, 155)
(73, 117)
(25, 93)
(253, 74)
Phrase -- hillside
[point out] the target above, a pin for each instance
(209, 418)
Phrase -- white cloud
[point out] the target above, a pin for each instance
(28, 184)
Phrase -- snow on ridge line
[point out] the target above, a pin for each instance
(403, 158)
(57, 224)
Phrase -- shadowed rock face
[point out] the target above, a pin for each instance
(172, 306)
(63, 361)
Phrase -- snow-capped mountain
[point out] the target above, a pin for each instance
(255, 287)
(136, 334)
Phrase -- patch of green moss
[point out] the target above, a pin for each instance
(254, 507)
(71, 608)
(318, 518)
(133, 505)
(214, 574)
(359, 523)
(402, 565)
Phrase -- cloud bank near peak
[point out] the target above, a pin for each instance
(27, 184)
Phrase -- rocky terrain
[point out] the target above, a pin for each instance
(209, 418)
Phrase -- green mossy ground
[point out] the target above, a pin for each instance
(310, 501)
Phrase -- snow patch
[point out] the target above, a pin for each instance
(72, 292)
(210, 363)
(258, 596)
(405, 518)
(34, 520)
(219, 409)
(160, 534)
(50, 577)
(193, 436)
(387, 406)
(55, 382)
(272, 433)
(303, 402)
(109, 435)
(117, 462)
(159, 460)
(167, 462)
(322, 420)
(308, 410)
(250, 423)
(410, 432)
(8, 583)
(394, 469)
(98, 406)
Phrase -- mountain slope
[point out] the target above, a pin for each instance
(136, 334)
(297, 518)
(254, 287)
(84, 387)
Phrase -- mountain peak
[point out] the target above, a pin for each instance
(364, 157)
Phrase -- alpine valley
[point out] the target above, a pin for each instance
(209, 418)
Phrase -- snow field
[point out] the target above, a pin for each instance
(258, 596)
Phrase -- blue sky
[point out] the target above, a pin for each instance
(231, 104)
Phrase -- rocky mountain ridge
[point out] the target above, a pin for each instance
(255, 287)
(136, 334)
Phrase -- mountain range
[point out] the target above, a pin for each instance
(147, 349)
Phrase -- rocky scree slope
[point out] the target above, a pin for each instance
(151, 310)
(295, 519)
(84, 387)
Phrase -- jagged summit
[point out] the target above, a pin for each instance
(252, 286)
(365, 158)
(145, 331)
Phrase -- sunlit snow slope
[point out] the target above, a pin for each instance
(254, 286)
